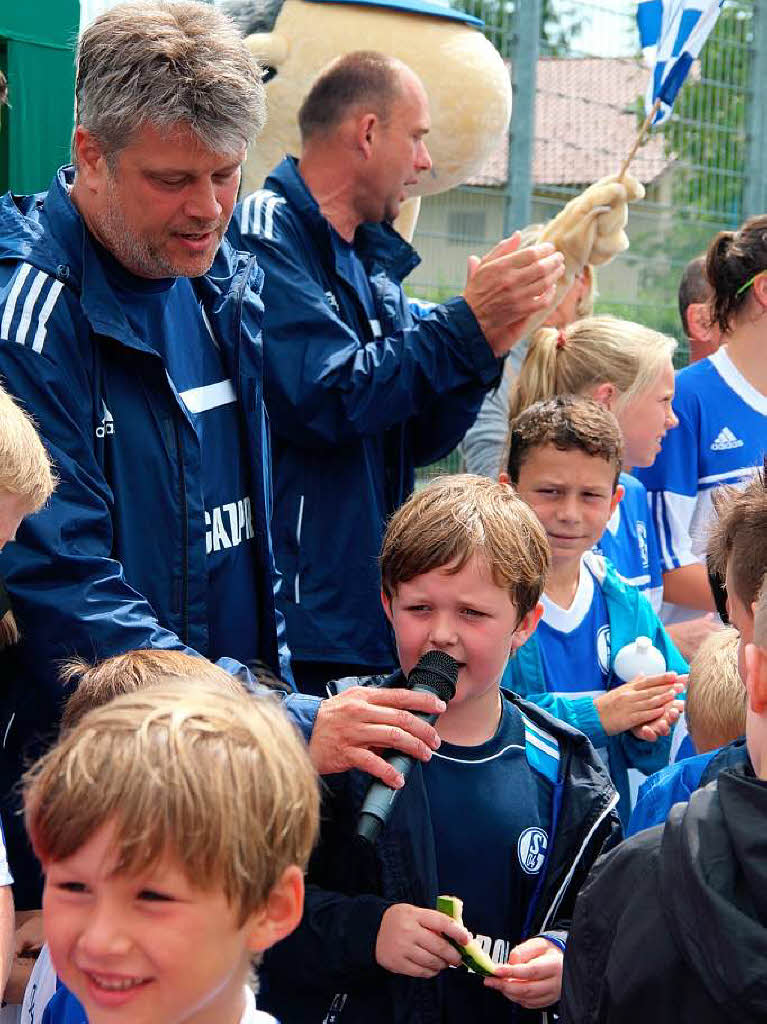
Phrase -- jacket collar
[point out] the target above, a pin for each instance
(377, 244)
(47, 231)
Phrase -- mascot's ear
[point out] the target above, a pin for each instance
(269, 48)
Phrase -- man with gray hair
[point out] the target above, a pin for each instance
(132, 333)
(361, 389)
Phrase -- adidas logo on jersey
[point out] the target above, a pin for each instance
(725, 440)
(107, 423)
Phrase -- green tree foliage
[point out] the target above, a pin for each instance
(707, 132)
(556, 30)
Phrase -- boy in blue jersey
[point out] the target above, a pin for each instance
(174, 825)
(508, 815)
(564, 461)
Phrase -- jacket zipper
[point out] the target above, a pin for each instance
(185, 518)
(299, 524)
(612, 803)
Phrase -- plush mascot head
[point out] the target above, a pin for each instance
(464, 76)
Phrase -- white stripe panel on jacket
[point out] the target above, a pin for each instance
(209, 396)
(29, 304)
(13, 298)
(28, 319)
(42, 324)
(546, 737)
(257, 216)
(255, 213)
(247, 206)
(271, 205)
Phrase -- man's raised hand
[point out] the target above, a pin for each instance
(508, 286)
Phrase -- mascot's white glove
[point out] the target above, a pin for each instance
(590, 229)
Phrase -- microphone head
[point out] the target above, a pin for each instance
(435, 671)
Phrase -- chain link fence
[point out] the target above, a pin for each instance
(703, 171)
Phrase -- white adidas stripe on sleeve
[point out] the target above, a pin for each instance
(28, 307)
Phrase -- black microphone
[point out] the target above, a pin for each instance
(436, 673)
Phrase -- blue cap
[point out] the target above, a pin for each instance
(435, 10)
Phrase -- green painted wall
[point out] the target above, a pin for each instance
(37, 39)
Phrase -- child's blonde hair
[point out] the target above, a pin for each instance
(456, 517)
(715, 707)
(592, 351)
(135, 670)
(25, 472)
(220, 781)
(25, 468)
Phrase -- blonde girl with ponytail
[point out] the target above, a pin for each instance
(621, 364)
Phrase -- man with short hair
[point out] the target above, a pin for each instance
(132, 334)
(360, 390)
(703, 336)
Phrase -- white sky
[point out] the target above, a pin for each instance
(607, 27)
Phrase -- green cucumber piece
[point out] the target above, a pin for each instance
(473, 955)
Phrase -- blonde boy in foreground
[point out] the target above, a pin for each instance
(173, 826)
(508, 816)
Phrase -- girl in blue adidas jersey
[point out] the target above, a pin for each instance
(629, 369)
(721, 405)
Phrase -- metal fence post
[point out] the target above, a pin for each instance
(755, 191)
(524, 60)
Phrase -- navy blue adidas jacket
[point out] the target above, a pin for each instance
(327, 971)
(117, 560)
(355, 404)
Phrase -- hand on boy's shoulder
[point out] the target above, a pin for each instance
(352, 728)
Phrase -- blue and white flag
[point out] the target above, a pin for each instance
(672, 34)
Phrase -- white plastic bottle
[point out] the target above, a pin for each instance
(639, 658)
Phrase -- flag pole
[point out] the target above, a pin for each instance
(639, 139)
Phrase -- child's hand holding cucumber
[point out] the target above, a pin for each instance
(533, 975)
(417, 941)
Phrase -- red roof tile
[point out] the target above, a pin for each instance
(585, 124)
